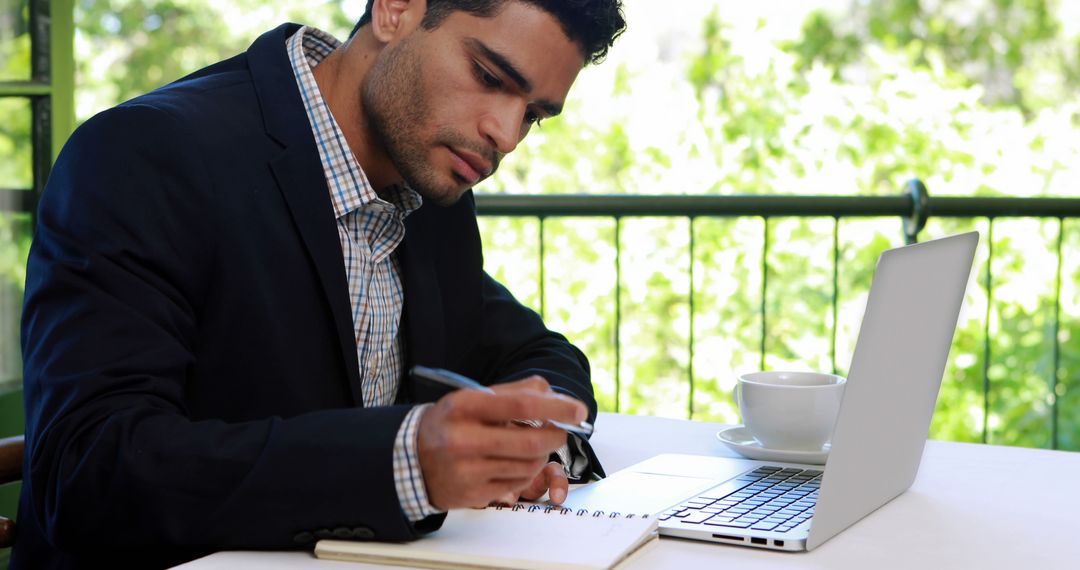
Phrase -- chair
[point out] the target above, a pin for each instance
(11, 462)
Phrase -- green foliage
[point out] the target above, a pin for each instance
(727, 319)
(15, 169)
(975, 97)
(14, 112)
(857, 104)
(1007, 46)
(14, 40)
(138, 45)
(14, 247)
(1067, 388)
(15, 174)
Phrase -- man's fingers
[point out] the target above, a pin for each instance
(507, 499)
(503, 471)
(501, 442)
(550, 480)
(480, 482)
(537, 487)
(471, 453)
(558, 485)
(508, 405)
(501, 491)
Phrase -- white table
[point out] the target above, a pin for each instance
(972, 506)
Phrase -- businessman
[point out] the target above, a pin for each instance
(232, 275)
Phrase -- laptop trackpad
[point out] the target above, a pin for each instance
(636, 493)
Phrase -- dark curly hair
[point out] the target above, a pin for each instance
(592, 24)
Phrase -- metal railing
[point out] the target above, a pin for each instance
(914, 207)
(50, 90)
(49, 93)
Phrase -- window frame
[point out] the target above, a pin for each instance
(51, 92)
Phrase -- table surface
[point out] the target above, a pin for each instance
(971, 506)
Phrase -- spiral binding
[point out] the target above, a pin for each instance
(548, 509)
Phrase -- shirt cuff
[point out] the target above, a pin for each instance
(573, 458)
(408, 478)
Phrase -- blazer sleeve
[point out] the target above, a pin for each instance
(115, 278)
(515, 343)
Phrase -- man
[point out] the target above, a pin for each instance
(232, 275)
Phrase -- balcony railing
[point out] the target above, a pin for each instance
(913, 207)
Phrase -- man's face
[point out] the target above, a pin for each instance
(447, 104)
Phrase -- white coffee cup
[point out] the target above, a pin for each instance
(790, 410)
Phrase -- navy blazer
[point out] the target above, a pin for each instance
(191, 378)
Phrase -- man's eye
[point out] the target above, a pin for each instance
(532, 118)
(485, 78)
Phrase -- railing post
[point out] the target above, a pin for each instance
(541, 254)
(690, 367)
(986, 330)
(618, 313)
(62, 71)
(835, 290)
(764, 289)
(1056, 370)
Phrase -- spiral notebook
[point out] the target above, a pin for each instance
(524, 536)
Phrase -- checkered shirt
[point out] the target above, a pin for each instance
(370, 226)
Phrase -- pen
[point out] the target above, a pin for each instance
(455, 380)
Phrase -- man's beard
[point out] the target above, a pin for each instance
(396, 108)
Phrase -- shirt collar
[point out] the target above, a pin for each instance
(350, 188)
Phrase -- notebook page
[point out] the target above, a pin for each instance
(490, 538)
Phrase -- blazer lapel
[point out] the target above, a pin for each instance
(302, 182)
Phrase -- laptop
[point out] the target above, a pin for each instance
(877, 444)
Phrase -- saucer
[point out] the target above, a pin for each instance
(739, 440)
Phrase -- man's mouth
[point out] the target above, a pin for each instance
(469, 166)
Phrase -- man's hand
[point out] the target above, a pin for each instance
(551, 480)
(471, 454)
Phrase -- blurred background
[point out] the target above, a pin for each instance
(976, 98)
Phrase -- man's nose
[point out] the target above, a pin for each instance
(502, 127)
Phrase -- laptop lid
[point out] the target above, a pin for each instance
(896, 371)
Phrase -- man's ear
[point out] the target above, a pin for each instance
(394, 18)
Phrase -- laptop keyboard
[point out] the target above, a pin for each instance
(767, 498)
